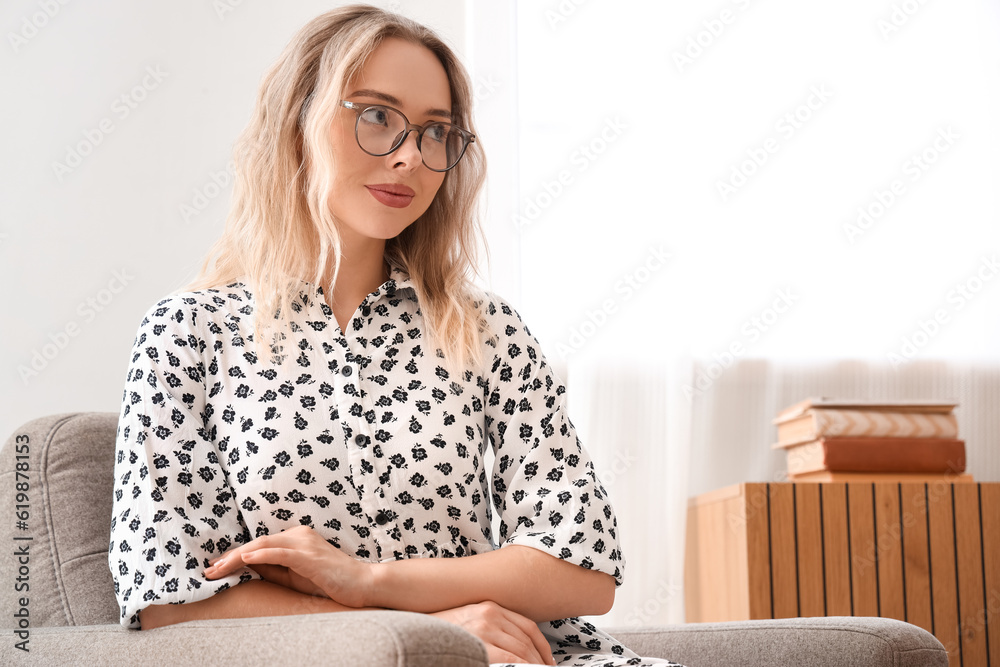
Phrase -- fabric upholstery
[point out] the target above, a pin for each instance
(71, 462)
(350, 639)
(806, 642)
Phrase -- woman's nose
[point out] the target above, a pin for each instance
(408, 153)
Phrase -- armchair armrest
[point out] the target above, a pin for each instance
(791, 642)
(351, 639)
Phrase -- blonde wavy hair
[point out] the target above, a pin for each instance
(281, 210)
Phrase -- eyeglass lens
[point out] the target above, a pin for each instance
(379, 129)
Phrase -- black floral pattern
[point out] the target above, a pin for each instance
(363, 435)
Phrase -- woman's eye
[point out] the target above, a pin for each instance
(375, 116)
(437, 132)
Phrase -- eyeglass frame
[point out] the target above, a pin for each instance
(467, 136)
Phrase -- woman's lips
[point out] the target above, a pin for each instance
(392, 194)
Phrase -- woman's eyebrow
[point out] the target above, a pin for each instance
(391, 99)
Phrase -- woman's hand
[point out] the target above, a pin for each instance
(509, 637)
(300, 559)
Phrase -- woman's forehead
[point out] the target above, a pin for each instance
(405, 75)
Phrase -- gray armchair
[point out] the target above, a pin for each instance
(72, 615)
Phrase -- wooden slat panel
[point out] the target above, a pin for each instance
(941, 535)
(836, 551)
(784, 579)
(950, 564)
(694, 544)
(970, 574)
(889, 542)
(715, 561)
(864, 576)
(730, 516)
(758, 551)
(916, 562)
(810, 550)
(990, 503)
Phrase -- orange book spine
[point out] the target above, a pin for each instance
(893, 454)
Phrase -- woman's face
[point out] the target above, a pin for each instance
(410, 78)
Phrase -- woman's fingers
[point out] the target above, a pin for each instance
(509, 636)
(231, 560)
(294, 541)
(315, 566)
(291, 537)
(282, 576)
(284, 557)
(224, 565)
(534, 635)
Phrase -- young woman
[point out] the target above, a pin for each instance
(304, 429)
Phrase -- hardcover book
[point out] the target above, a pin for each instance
(924, 455)
(834, 422)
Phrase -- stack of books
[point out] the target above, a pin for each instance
(827, 440)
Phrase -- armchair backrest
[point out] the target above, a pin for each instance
(58, 556)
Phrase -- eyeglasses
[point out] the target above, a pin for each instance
(380, 130)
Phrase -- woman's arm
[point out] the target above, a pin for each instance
(519, 578)
(251, 599)
(522, 579)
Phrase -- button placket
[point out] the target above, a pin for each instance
(364, 464)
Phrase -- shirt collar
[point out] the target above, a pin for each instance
(399, 279)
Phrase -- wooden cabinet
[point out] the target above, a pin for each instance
(926, 553)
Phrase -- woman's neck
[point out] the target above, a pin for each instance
(362, 270)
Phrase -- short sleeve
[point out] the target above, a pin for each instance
(545, 489)
(174, 506)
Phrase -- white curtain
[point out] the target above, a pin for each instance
(635, 424)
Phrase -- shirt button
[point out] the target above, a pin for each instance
(366, 311)
(359, 439)
(381, 518)
(346, 371)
